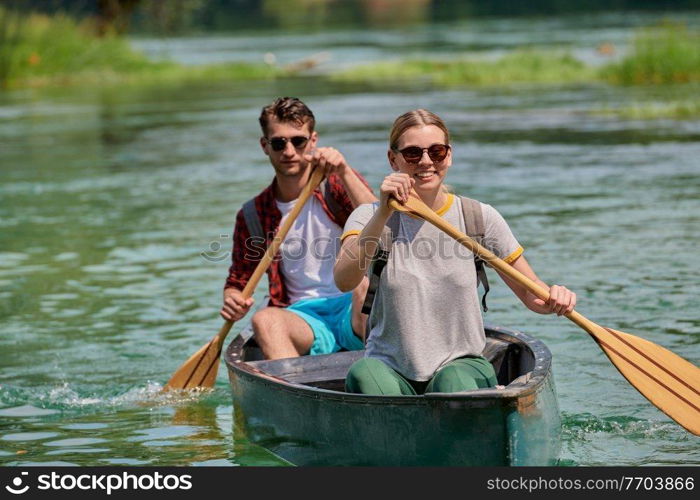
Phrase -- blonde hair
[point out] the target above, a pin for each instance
(415, 118)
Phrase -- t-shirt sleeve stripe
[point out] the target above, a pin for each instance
(513, 256)
(349, 233)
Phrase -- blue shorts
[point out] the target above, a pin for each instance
(330, 318)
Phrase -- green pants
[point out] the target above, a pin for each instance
(371, 376)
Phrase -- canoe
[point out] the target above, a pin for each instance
(297, 409)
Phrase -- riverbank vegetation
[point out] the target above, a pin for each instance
(659, 56)
(522, 66)
(674, 109)
(37, 50)
(666, 55)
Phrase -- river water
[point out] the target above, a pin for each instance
(117, 208)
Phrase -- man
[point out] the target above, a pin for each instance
(307, 314)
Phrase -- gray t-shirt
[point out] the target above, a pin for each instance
(426, 311)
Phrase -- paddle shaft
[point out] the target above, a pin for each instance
(201, 368)
(273, 248)
(487, 256)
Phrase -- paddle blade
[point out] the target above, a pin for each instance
(200, 370)
(668, 381)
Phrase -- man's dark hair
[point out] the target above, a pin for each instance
(287, 109)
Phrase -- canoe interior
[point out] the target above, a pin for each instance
(512, 361)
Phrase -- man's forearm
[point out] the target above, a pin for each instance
(231, 290)
(357, 191)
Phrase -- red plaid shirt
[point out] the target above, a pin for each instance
(244, 259)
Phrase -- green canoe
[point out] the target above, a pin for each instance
(297, 409)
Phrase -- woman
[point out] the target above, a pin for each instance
(426, 332)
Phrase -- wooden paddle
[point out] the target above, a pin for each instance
(200, 370)
(668, 381)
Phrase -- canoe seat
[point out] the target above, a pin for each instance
(328, 371)
(311, 370)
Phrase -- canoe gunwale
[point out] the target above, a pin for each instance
(493, 396)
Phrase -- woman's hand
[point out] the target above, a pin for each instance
(396, 186)
(561, 300)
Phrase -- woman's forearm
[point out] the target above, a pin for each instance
(561, 300)
(357, 252)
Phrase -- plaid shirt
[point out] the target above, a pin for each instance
(245, 258)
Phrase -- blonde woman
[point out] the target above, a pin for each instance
(426, 331)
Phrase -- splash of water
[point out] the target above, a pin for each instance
(67, 398)
(582, 425)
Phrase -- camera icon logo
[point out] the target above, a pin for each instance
(17, 483)
(216, 253)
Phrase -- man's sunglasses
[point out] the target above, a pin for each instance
(436, 153)
(279, 143)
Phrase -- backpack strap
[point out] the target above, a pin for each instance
(380, 258)
(475, 229)
(252, 220)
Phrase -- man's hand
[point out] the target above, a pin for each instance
(328, 159)
(235, 306)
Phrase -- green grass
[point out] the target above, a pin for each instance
(522, 66)
(664, 55)
(667, 55)
(655, 110)
(38, 50)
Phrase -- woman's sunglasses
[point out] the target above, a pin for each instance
(436, 153)
(279, 143)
